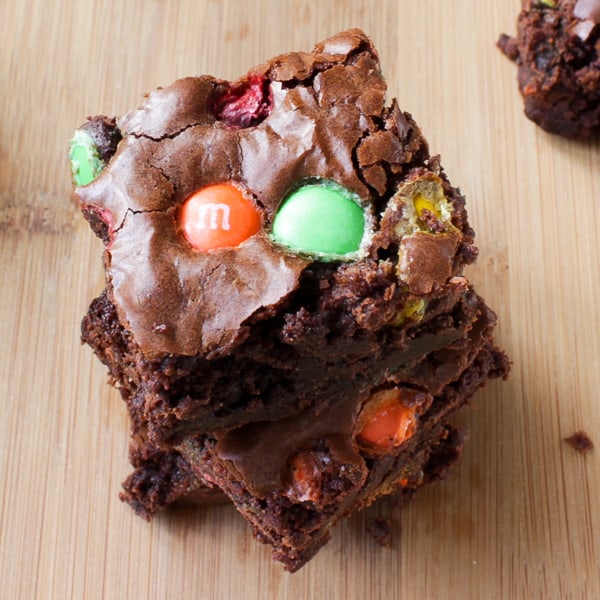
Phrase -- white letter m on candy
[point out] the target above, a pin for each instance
(217, 216)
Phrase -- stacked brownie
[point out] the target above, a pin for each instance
(285, 311)
(557, 50)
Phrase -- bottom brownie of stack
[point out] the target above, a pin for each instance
(293, 478)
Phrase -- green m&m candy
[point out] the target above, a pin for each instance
(321, 218)
(86, 163)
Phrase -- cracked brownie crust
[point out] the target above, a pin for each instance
(321, 125)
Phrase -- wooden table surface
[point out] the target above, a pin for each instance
(519, 519)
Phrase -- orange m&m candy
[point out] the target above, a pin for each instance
(390, 427)
(218, 216)
(386, 422)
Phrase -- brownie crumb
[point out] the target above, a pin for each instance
(581, 441)
(381, 531)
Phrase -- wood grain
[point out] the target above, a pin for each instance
(519, 519)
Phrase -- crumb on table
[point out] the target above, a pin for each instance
(381, 531)
(581, 441)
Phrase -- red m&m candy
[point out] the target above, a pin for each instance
(218, 216)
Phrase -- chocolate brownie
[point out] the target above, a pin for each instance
(557, 50)
(293, 478)
(285, 312)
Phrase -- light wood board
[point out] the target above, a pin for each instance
(520, 517)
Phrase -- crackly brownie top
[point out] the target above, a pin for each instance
(301, 127)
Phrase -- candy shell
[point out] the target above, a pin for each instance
(218, 216)
(323, 218)
(86, 163)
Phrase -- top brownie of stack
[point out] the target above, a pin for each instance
(199, 340)
(557, 50)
